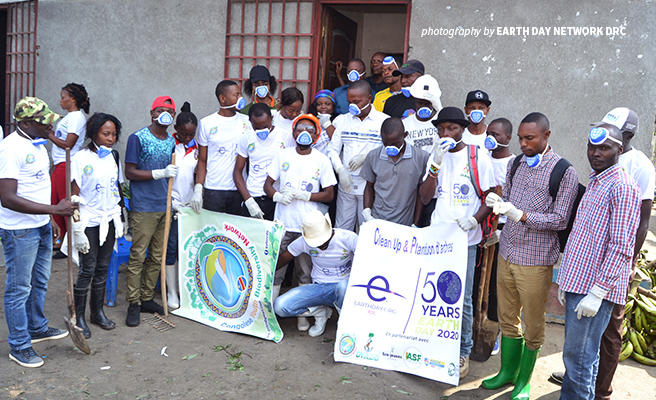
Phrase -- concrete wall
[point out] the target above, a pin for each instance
(574, 80)
(128, 52)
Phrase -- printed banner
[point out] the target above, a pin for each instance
(403, 306)
(226, 272)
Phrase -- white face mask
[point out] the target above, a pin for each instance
(261, 91)
(355, 110)
(102, 151)
(240, 104)
(354, 75)
(164, 118)
(476, 116)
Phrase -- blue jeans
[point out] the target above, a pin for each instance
(466, 341)
(28, 256)
(581, 348)
(299, 299)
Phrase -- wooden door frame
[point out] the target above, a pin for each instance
(317, 27)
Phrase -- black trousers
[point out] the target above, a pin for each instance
(94, 264)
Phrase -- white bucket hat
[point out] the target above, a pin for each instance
(316, 228)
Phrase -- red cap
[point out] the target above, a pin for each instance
(161, 102)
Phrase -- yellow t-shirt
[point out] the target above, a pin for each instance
(381, 98)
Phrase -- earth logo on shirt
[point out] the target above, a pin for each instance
(251, 147)
(214, 130)
(30, 158)
(285, 166)
(88, 170)
(224, 276)
(314, 252)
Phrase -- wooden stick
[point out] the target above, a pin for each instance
(167, 229)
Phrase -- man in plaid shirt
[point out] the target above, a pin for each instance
(595, 270)
(528, 249)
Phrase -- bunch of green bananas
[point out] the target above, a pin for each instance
(639, 329)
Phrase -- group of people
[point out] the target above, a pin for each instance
(379, 147)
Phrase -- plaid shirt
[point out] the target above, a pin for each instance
(599, 251)
(535, 242)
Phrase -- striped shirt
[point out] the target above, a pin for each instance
(535, 242)
(599, 251)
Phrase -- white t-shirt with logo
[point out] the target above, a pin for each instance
(478, 140)
(639, 167)
(220, 135)
(333, 264)
(183, 185)
(260, 154)
(421, 134)
(98, 180)
(73, 122)
(309, 173)
(456, 195)
(285, 126)
(29, 165)
(353, 137)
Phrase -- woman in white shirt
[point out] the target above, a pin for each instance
(69, 134)
(95, 177)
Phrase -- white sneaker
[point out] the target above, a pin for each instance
(320, 319)
(464, 366)
(496, 348)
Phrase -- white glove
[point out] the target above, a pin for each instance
(171, 171)
(561, 297)
(254, 209)
(345, 178)
(589, 305)
(299, 194)
(493, 239)
(356, 162)
(508, 209)
(467, 223)
(197, 198)
(80, 240)
(366, 213)
(126, 222)
(76, 214)
(439, 148)
(491, 199)
(284, 198)
(324, 120)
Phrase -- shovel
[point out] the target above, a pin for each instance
(73, 330)
(162, 323)
(484, 331)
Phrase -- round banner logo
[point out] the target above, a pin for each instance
(224, 276)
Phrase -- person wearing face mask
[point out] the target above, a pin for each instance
(356, 70)
(260, 86)
(305, 179)
(477, 106)
(403, 104)
(323, 107)
(186, 157)
(528, 249)
(217, 137)
(356, 134)
(421, 131)
(27, 230)
(450, 174)
(598, 261)
(95, 178)
(393, 173)
(148, 167)
(393, 83)
(257, 149)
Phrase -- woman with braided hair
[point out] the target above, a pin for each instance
(69, 134)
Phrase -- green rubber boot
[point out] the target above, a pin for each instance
(523, 384)
(511, 354)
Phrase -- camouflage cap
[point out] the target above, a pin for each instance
(32, 108)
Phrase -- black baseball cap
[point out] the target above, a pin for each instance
(259, 73)
(478, 95)
(451, 114)
(409, 67)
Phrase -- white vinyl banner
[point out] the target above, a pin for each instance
(403, 306)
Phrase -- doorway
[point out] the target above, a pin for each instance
(359, 31)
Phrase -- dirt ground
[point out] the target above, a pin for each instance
(126, 364)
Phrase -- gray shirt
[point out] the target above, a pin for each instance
(395, 184)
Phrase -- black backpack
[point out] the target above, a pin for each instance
(554, 184)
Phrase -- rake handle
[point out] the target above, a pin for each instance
(167, 230)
